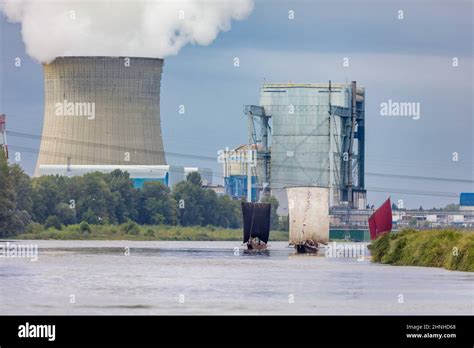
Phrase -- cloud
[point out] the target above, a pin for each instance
(126, 28)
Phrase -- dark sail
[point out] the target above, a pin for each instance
(256, 220)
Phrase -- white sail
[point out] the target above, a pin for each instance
(308, 209)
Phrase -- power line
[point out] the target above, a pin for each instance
(280, 184)
(114, 147)
(213, 159)
(416, 177)
(220, 174)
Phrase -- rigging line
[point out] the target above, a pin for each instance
(251, 226)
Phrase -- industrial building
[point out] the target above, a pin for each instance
(309, 135)
(138, 174)
(313, 135)
(466, 201)
(236, 166)
(434, 218)
(103, 113)
(341, 218)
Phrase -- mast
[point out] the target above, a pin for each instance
(249, 175)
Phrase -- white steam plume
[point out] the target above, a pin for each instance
(144, 28)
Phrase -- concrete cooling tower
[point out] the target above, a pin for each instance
(102, 111)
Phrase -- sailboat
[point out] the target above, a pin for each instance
(308, 209)
(256, 218)
(380, 222)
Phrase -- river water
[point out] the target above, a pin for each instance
(122, 277)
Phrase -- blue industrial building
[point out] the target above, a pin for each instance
(466, 201)
(166, 174)
(236, 186)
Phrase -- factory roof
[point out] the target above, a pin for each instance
(306, 85)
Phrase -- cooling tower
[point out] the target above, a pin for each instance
(102, 111)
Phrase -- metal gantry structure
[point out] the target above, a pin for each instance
(353, 127)
(3, 135)
(258, 128)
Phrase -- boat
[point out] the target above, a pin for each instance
(380, 222)
(307, 247)
(256, 217)
(308, 209)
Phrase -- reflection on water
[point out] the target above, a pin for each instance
(122, 277)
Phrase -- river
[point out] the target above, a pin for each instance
(123, 277)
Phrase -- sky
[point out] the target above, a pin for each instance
(404, 60)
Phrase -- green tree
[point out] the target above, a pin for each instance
(200, 206)
(210, 208)
(284, 223)
(22, 186)
(13, 217)
(7, 198)
(189, 198)
(274, 219)
(91, 217)
(229, 213)
(125, 196)
(66, 214)
(19, 222)
(47, 193)
(451, 207)
(156, 205)
(194, 178)
(53, 221)
(96, 204)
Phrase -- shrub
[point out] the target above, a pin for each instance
(394, 252)
(149, 233)
(461, 256)
(34, 228)
(447, 248)
(202, 236)
(130, 227)
(84, 227)
(380, 247)
(54, 222)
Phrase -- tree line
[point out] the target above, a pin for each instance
(99, 198)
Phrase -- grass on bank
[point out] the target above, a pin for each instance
(447, 248)
(133, 231)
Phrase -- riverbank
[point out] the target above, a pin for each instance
(132, 231)
(449, 249)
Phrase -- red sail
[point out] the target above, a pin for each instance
(381, 221)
